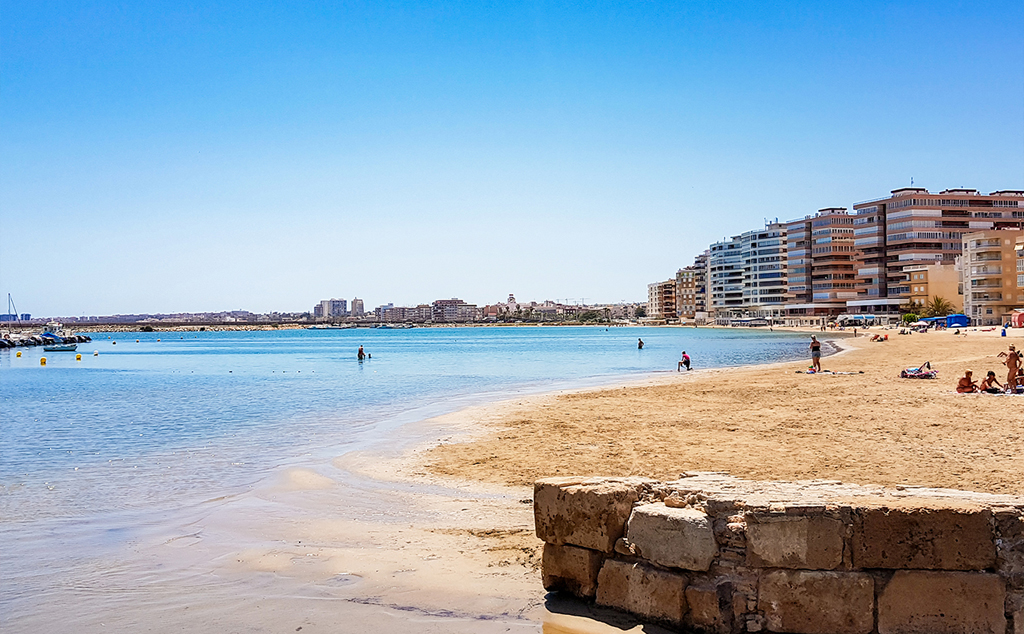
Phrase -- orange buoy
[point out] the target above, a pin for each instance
(42, 360)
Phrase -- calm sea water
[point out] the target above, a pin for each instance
(124, 452)
(171, 416)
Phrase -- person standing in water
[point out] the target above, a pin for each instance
(639, 344)
(815, 353)
(684, 362)
(361, 355)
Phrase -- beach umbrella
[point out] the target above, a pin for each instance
(920, 323)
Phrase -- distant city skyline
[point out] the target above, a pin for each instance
(160, 158)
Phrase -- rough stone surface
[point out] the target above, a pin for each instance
(806, 602)
(672, 537)
(590, 513)
(705, 608)
(643, 590)
(923, 539)
(810, 543)
(926, 602)
(571, 569)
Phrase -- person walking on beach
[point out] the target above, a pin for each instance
(684, 362)
(361, 355)
(1012, 363)
(815, 353)
(639, 344)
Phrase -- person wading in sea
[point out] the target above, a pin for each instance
(639, 344)
(361, 355)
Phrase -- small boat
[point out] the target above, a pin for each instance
(61, 347)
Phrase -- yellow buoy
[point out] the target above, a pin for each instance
(78, 357)
(42, 360)
(19, 353)
(136, 341)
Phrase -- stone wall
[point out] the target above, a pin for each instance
(712, 553)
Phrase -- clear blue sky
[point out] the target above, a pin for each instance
(159, 157)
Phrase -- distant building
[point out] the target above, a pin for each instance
(820, 264)
(357, 307)
(452, 310)
(661, 300)
(936, 280)
(992, 284)
(333, 308)
(686, 289)
(915, 227)
(725, 278)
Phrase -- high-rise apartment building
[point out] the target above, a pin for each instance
(763, 261)
(913, 227)
(725, 278)
(331, 308)
(686, 292)
(357, 307)
(819, 264)
(989, 267)
(661, 300)
(700, 287)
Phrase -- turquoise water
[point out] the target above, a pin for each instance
(177, 416)
(108, 462)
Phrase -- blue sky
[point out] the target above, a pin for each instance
(163, 157)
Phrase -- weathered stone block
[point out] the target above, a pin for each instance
(811, 543)
(642, 590)
(928, 539)
(672, 537)
(590, 513)
(926, 602)
(805, 602)
(571, 569)
(705, 608)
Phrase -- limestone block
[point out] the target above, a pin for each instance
(929, 539)
(928, 602)
(705, 610)
(642, 590)
(571, 569)
(1010, 547)
(806, 602)
(810, 543)
(590, 513)
(672, 537)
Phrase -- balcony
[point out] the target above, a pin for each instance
(987, 257)
(982, 298)
(986, 271)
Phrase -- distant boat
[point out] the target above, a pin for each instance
(61, 347)
(330, 327)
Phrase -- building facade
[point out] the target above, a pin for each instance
(928, 281)
(686, 289)
(725, 278)
(819, 264)
(661, 300)
(357, 307)
(913, 227)
(763, 261)
(991, 283)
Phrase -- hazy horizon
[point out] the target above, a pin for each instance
(160, 159)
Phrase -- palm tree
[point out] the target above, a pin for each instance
(937, 307)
